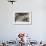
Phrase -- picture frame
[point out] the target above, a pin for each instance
(22, 18)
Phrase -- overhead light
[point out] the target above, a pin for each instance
(12, 1)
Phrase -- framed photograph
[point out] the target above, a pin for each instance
(22, 18)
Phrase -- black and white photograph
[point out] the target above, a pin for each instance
(23, 18)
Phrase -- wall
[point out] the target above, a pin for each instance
(37, 30)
